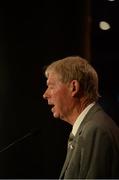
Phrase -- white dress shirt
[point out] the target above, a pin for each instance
(80, 118)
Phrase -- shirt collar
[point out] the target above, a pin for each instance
(80, 118)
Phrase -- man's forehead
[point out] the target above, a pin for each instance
(51, 77)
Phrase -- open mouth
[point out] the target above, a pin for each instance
(52, 107)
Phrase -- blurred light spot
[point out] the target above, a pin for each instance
(104, 25)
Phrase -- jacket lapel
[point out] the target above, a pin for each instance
(88, 117)
(68, 157)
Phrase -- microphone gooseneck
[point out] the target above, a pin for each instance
(33, 132)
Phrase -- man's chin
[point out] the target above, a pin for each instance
(55, 115)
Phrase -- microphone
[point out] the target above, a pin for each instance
(32, 133)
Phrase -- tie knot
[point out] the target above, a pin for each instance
(71, 136)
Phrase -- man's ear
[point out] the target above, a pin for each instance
(74, 86)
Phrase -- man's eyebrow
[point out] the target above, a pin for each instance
(48, 83)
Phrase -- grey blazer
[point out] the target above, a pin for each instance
(94, 152)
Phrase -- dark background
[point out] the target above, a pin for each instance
(31, 38)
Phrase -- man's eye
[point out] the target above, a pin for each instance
(50, 87)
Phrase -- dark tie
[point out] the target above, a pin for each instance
(69, 150)
(71, 136)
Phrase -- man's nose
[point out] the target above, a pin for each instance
(45, 95)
